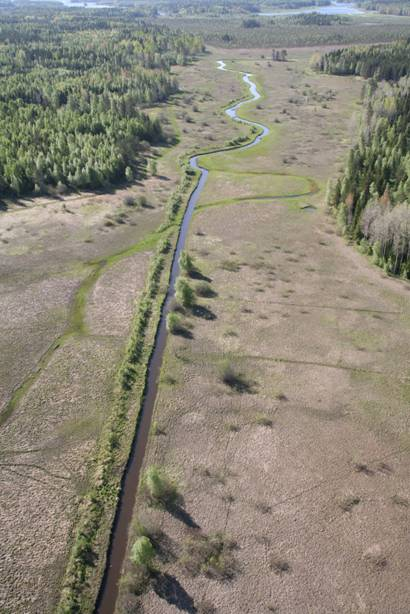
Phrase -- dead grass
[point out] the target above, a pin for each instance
(334, 406)
(46, 246)
(211, 555)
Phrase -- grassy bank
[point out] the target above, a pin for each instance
(96, 512)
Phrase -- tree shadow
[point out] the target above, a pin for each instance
(167, 587)
(164, 546)
(196, 274)
(178, 512)
(207, 292)
(242, 385)
(181, 331)
(3, 205)
(200, 311)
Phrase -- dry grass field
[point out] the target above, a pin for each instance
(284, 418)
(72, 271)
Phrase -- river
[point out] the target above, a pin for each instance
(108, 594)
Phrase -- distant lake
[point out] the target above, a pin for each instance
(335, 8)
(79, 5)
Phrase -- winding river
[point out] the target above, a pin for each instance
(108, 593)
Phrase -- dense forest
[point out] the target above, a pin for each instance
(73, 86)
(229, 31)
(387, 7)
(227, 7)
(317, 19)
(388, 62)
(373, 194)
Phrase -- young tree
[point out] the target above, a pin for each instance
(142, 552)
(153, 167)
(184, 293)
(186, 263)
(129, 175)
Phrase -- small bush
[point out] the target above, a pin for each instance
(398, 500)
(168, 380)
(233, 428)
(164, 246)
(142, 201)
(156, 429)
(142, 552)
(231, 266)
(263, 420)
(184, 293)
(174, 324)
(263, 508)
(230, 333)
(279, 566)
(348, 503)
(158, 487)
(121, 217)
(230, 376)
(210, 555)
(186, 263)
(129, 201)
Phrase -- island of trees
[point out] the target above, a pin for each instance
(73, 89)
(388, 62)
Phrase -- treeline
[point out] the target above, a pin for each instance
(383, 62)
(372, 196)
(386, 7)
(72, 90)
(317, 19)
(206, 7)
(278, 31)
(226, 7)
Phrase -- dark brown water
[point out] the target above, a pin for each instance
(108, 593)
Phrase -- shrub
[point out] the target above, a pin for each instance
(142, 552)
(153, 167)
(279, 566)
(231, 266)
(263, 420)
(129, 200)
(156, 429)
(174, 324)
(251, 23)
(173, 205)
(348, 503)
(142, 201)
(210, 555)
(164, 246)
(186, 263)
(184, 293)
(230, 376)
(158, 487)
